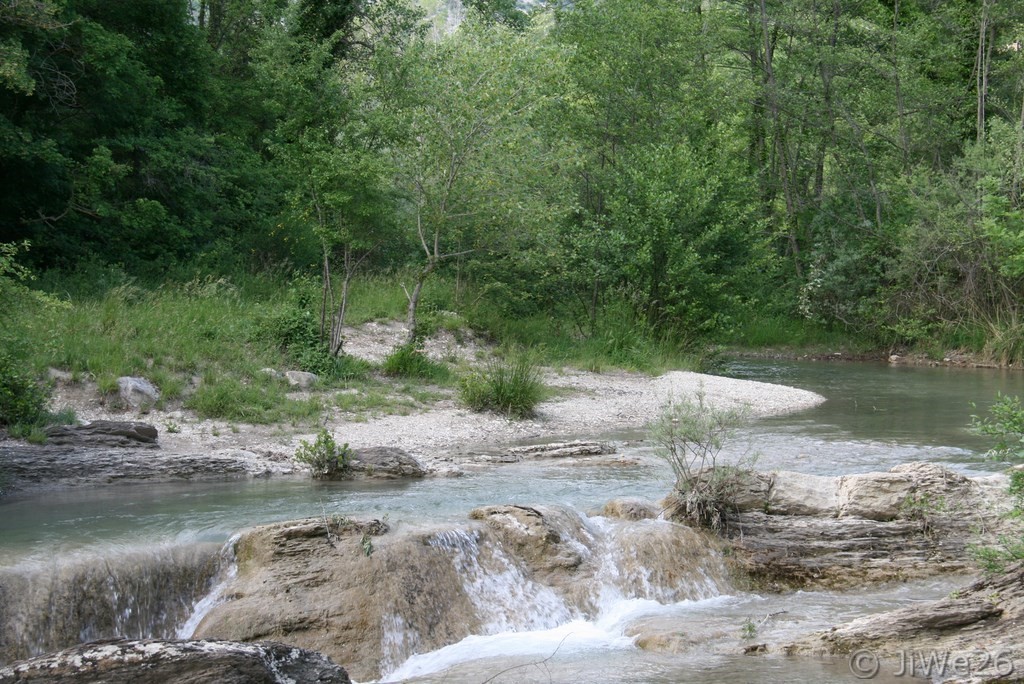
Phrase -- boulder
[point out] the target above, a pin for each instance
(301, 379)
(103, 433)
(630, 509)
(163, 661)
(384, 463)
(137, 393)
(802, 494)
(535, 535)
(875, 496)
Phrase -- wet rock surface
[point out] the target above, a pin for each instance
(370, 599)
(917, 520)
(384, 463)
(978, 631)
(178, 661)
(31, 467)
(575, 449)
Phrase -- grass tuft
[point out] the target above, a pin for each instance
(511, 387)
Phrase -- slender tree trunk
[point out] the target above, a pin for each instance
(338, 323)
(414, 301)
(327, 292)
(981, 66)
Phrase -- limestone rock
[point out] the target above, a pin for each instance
(874, 496)
(630, 509)
(336, 587)
(301, 379)
(384, 463)
(561, 450)
(371, 600)
(983, 619)
(33, 467)
(802, 494)
(159, 662)
(535, 533)
(103, 433)
(137, 393)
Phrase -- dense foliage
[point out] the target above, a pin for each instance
(630, 170)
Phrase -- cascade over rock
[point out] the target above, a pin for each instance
(370, 599)
(45, 607)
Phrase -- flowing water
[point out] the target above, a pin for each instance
(876, 416)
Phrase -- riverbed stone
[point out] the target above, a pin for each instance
(917, 520)
(983, 622)
(875, 496)
(574, 449)
(628, 508)
(137, 393)
(386, 463)
(155, 661)
(301, 379)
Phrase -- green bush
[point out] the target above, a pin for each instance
(22, 399)
(1005, 423)
(324, 457)
(511, 387)
(407, 361)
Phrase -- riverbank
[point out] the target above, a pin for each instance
(442, 435)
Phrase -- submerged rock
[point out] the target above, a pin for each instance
(978, 631)
(159, 662)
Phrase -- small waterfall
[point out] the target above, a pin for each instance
(499, 588)
(228, 571)
(606, 576)
(134, 594)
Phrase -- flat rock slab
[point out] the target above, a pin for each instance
(164, 661)
(31, 467)
(560, 450)
(104, 433)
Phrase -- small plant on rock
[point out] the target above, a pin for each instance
(690, 435)
(324, 457)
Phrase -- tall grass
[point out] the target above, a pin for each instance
(510, 386)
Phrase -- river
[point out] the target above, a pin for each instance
(876, 416)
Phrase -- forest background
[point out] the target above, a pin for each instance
(202, 186)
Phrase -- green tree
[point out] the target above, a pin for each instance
(472, 158)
